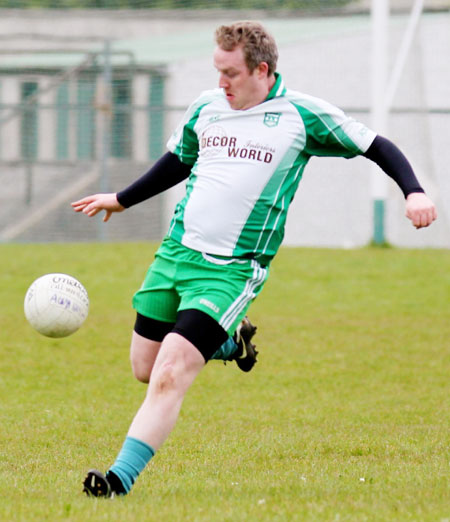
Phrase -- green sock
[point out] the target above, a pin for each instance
(227, 349)
(131, 460)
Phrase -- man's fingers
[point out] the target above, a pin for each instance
(423, 218)
(81, 203)
(78, 206)
(92, 205)
(89, 205)
(426, 219)
(91, 211)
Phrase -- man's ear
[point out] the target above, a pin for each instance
(262, 69)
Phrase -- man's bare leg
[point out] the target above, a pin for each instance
(176, 366)
(174, 369)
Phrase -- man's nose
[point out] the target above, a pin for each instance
(223, 82)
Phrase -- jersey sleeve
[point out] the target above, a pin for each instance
(330, 132)
(184, 140)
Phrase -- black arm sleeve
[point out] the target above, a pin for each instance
(167, 172)
(390, 159)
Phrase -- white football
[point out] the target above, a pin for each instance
(56, 305)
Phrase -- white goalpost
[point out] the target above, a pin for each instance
(384, 86)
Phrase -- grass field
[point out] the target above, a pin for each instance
(344, 418)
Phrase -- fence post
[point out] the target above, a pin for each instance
(104, 105)
(379, 74)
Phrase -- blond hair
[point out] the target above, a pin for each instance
(257, 44)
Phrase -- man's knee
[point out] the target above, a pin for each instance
(165, 379)
(141, 369)
(143, 353)
(177, 365)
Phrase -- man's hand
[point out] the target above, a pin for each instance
(92, 205)
(420, 209)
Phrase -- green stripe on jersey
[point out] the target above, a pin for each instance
(176, 229)
(268, 217)
(278, 88)
(187, 146)
(326, 134)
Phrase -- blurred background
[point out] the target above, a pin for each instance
(90, 91)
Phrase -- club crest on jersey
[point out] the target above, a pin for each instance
(271, 119)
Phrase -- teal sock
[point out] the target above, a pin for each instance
(131, 460)
(226, 350)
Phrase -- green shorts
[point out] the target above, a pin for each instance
(183, 279)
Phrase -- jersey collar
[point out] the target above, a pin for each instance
(278, 89)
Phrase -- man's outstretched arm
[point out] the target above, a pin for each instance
(419, 207)
(167, 172)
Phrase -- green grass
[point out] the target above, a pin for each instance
(344, 418)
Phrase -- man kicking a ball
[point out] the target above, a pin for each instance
(243, 148)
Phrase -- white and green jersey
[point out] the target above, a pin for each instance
(246, 166)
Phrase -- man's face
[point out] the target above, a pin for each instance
(243, 89)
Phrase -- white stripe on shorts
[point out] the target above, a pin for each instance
(258, 277)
